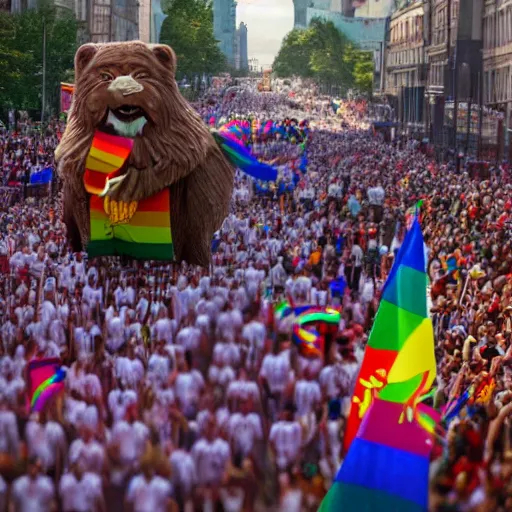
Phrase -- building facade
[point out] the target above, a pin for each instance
(405, 62)
(242, 48)
(344, 7)
(497, 59)
(254, 65)
(224, 27)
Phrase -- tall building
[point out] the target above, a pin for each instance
(151, 18)
(405, 63)
(224, 27)
(300, 8)
(243, 63)
(497, 60)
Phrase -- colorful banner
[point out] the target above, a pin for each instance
(66, 96)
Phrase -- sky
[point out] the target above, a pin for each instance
(268, 21)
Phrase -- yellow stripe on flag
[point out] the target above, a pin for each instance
(416, 356)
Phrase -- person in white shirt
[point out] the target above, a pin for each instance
(148, 492)
(211, 455)
(33, 492)
(356, 256)
(286, 441)
(184, 476)
(188, 388)
(81, 491)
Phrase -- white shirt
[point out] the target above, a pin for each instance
(131, 439)
(80, 495)
(33, 495)
(286, 436)
(91, 455)
(277, 371)
(188, 386)
(184, 472)
(307, 396)
(244, 431)
(149, 496)
(43, 441)
(9, 438)
(357, 254)
(211, 459)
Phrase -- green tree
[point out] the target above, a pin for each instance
(325, 54)
(21, 55)
(188, 29)
(294, 55)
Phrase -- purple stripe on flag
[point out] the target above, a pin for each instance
(381, 426)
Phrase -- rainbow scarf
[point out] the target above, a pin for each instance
(47, 389)
(141, 230)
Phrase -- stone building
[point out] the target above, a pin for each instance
(497, 59)
(405, 62)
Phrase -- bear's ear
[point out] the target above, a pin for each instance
(83, 57)
(165, 54)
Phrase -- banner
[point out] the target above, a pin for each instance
(66, 95)
(42, 177)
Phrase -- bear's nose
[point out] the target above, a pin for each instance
(125, 85)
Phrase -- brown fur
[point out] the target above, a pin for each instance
(175, 150)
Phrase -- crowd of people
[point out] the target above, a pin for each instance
(185, 392)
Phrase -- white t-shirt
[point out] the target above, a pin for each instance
(43, 441)
(33, 495)
(149, 496)
(286, 436)
(358, 255)
(131, 439)
(244, 431)
(80, 495)
(184, 471)
(91, 455)
(187, 387)
(211, 459)
(307, 395)
(276, 369)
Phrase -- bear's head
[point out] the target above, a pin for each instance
(129, 89)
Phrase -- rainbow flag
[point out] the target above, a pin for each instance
(399, 362)
(387, 466)
(308, 341)
(319, 315)
(141, 230)
(241, 158)
(45, 379)
(146, 234)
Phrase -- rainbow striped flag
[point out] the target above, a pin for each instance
(308, 341)
(387, 466)
(140, 230)
(146, 235)
(400, 351)
(45, 379)
(389, 432)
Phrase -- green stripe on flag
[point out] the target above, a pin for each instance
(392, 327)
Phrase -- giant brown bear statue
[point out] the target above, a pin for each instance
(128, 91)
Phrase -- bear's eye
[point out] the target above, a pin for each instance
(106, 77)
(141, 75)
